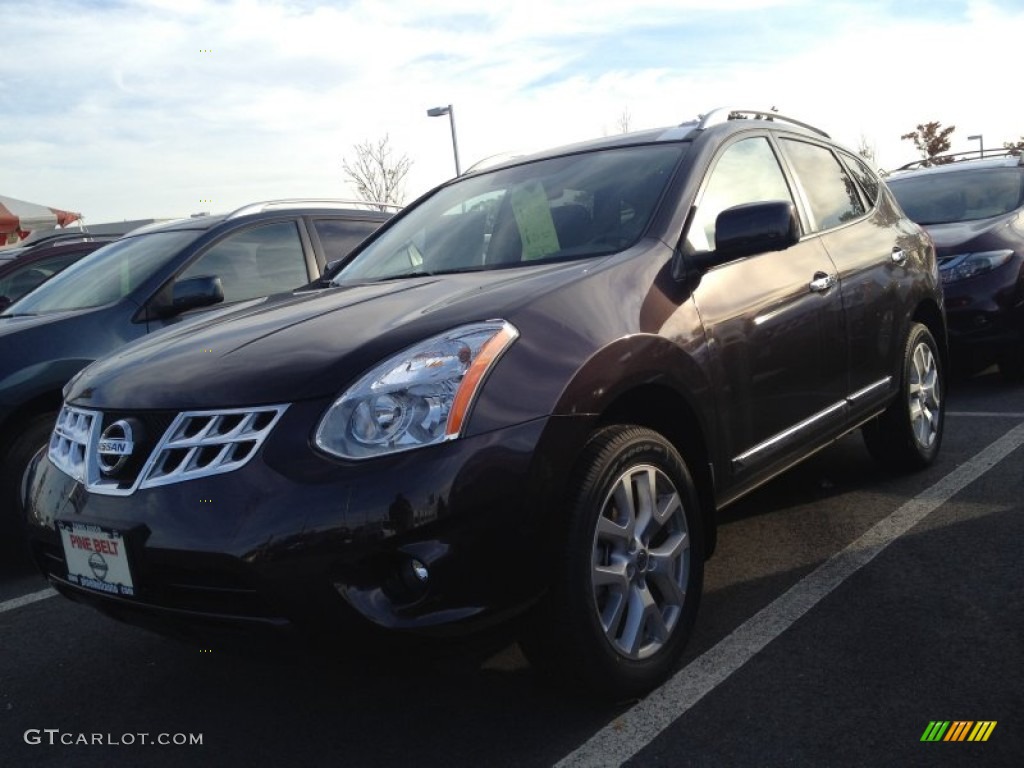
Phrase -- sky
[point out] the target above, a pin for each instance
(125, 109)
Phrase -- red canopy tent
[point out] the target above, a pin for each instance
(21, 217)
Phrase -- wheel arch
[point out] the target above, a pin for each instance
(929, 314)
(647, 406)
(16, 420)
(650, 381)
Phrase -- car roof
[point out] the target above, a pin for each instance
(1004, 160)
(31, 257)
(51, 244)
(269, 208)
(721, 119)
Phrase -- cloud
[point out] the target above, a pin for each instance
(133, 109)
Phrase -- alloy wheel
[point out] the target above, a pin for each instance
(924, 396)
(640, 562)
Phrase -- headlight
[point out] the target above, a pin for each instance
(966, 265)
(418, 397)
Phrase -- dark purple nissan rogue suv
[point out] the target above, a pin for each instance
(578, 356)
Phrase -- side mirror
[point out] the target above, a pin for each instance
(195, 292)
(4, 303)
(744, 230)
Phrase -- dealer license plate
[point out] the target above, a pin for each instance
(96, 558)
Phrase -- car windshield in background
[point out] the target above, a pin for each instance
(969, 195)
(570, 207)
(106, 275)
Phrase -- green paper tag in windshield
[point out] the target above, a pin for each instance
(536, 227)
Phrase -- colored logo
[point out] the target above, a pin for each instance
(958, 730)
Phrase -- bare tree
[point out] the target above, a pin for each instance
(931, 141)
(378, 176)
(866, 149)
(624, 120)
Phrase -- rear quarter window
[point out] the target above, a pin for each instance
(339, 237)
(865, 177)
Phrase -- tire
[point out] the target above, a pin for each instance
(625, 592)
(34, 436)
(907, 435)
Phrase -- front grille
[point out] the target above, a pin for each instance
(196, 444)
(75, 431)
(201, 443)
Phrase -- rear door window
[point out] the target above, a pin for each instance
(830, 192)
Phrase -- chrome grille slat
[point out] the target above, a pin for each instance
(73, 446)
(75, 430)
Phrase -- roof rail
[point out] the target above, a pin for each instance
(724, 114)
(959, 157)
(324, 202)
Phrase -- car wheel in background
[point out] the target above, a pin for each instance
(907, 435)
(626, 589)
(35, 434)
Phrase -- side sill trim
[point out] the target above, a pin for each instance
(740, 461)
(856, 398)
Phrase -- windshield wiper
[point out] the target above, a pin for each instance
(383, 279)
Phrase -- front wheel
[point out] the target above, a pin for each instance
(907, 435)
(625, 593)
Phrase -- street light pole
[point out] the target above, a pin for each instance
(981, 143)
(450, 111)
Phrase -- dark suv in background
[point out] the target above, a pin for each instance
(529, 394)
(25, 268)
(155, 277)
(974, 211)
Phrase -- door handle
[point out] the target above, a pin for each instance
(822, 282)
(898, 256)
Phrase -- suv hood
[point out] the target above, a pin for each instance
(951, 238)
(304, 345)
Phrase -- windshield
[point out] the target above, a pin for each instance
(969, 195)
(570, 207)
(105, 275)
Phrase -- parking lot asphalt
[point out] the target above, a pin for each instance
(918, 618)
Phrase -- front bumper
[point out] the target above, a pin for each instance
(985, 314)
(297, 540)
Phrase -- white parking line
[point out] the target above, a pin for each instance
(34, 597)
(635, 729)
